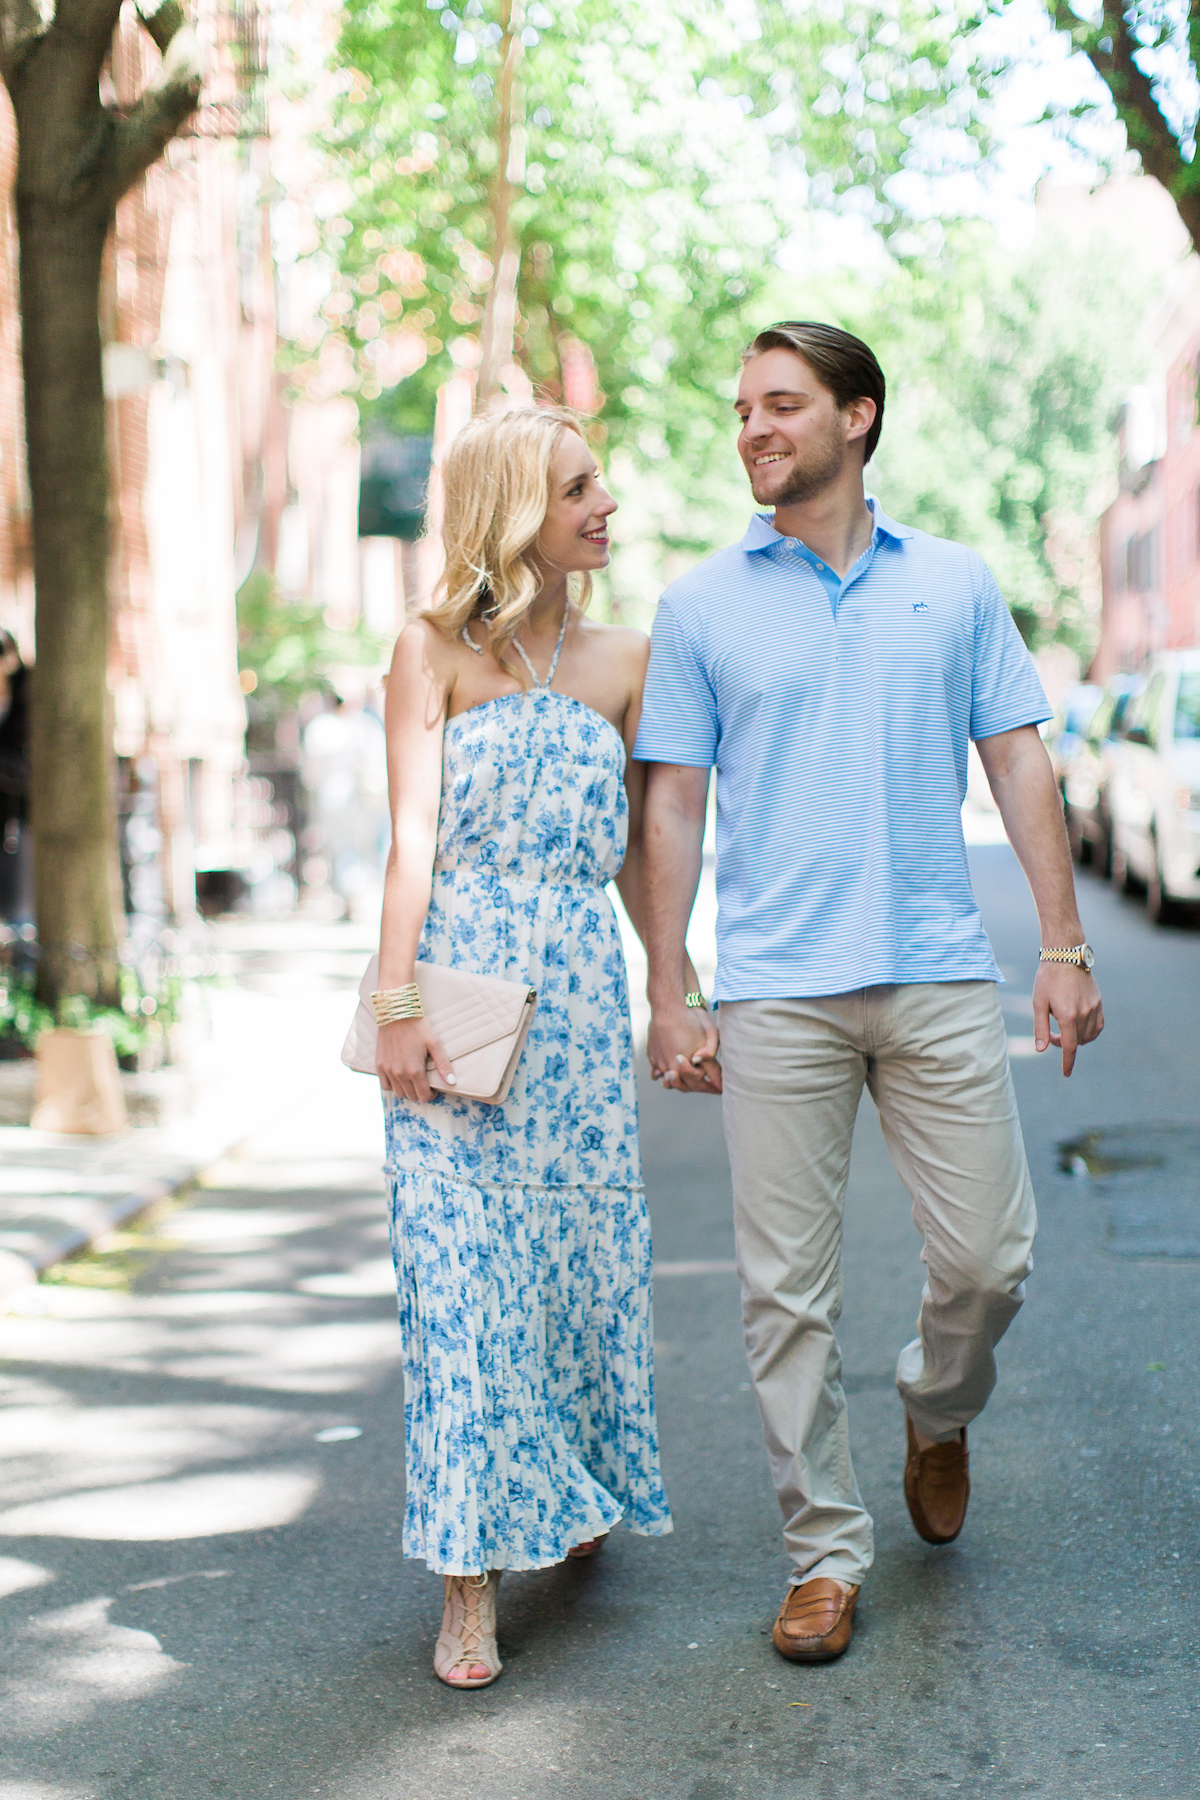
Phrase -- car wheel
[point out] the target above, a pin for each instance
(1159, 904)
(1122, 875)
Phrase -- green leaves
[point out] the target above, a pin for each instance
(1148, 56)
(665, 152)
(1003, 375)
(290, 650)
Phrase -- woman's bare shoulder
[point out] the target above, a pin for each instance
(423, 652)
(625, 643)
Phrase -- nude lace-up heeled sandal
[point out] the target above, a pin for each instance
(578, 1552)
(467, 1640)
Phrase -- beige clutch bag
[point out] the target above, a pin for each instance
(482, 1021)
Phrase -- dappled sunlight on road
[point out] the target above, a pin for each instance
(76, 1660)
(17, 1577)
(49, 1450)
(375, 1277)
(143, 1386)
(199, 1506)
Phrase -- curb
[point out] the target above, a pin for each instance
(245, 1098)
(19, 1271)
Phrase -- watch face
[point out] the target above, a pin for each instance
(1087, 957)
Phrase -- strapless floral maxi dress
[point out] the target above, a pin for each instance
(520, 1232)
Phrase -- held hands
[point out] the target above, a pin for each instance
(682, 1047)
(1069, 994)
(400, 1058)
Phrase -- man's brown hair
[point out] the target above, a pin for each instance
(846, 366)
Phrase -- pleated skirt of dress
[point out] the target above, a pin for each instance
(525, 1315)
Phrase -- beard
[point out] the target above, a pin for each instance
(823, 463)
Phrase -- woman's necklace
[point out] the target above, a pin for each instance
(469, 641)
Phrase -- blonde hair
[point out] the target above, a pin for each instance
(497, 489)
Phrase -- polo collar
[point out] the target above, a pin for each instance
(761, 533)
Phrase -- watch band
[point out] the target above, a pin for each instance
(693, 999)
(1079, 954)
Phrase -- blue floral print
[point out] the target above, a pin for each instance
(520, 1234)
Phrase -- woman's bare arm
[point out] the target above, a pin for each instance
(417, 694)
(629, 881)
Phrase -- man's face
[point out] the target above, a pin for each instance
(793, 440)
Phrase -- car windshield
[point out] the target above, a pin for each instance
(1187, 706)
(1120, 708)
(1102, 720)
(1079, 714)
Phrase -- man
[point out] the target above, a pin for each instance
(833, 666)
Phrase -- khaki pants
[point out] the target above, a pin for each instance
(934, 1058)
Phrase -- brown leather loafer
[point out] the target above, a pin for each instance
(816, 1621)
(937, 1486)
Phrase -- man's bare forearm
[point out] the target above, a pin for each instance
(1022, 783)
(672, 854)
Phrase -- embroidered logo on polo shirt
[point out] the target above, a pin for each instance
(920, 606)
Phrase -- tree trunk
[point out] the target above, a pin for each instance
(75, 158)
(77, 875)
(500, 307)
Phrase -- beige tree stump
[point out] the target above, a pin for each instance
(78, 1086)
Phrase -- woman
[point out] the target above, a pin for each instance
(519, 1231)
(16, 861)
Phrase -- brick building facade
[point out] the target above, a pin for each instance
(1150, 533)
(210, 471)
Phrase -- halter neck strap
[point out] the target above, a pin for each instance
(534, 676)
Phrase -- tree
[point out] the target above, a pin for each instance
(1003, 374)
(1148, 57)
(76, 157)
(586, 198)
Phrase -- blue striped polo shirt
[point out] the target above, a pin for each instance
(838, 714)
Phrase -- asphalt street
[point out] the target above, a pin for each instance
(203, 1477)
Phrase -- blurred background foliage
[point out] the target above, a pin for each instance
(288, 650)
(669, 161)
(1005, 371)
(663, 154)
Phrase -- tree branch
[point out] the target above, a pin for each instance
(20, 28)
(162, 19)
(1110, 48)
(140, 138)
(92, 21)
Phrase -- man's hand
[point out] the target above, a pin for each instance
(1071, 996)
(682, 1047)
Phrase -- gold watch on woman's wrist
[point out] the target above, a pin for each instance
(1082, 955)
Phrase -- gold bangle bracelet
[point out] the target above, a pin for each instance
(393, 1004)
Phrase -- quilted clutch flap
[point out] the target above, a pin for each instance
(469, 1011)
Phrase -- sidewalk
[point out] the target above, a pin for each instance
(278, 1021)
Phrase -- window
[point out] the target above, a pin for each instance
(1141, 562)
(1121, 705)
(1102, 720)
(1187, 706)
(1151, 706)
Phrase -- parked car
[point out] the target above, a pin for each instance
(1154, 792)
(1072, 716)
(1085, 773)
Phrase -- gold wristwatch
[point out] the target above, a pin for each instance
(1081, 955)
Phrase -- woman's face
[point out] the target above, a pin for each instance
(574, 534)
